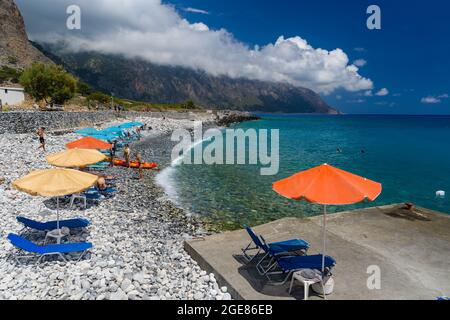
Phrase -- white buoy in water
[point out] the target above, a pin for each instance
(440, 194)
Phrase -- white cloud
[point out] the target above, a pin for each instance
(434, 99)
(194, 10)
(383, 92)
(430, 100)
(385, 103)
(368, 93)
(156, 32)
(360, 62)
(356, 101)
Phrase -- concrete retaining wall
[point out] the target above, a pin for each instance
(28, 122)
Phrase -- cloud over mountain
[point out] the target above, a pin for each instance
(156, 32)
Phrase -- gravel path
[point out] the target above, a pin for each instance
(137, 235)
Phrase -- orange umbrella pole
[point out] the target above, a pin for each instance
(324, 224)
(324, 248)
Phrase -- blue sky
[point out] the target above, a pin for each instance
(409, 56)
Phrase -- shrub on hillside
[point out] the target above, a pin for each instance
(83, 88)
(12, 60)
(9, 74)
(190, 105)
(98, 97)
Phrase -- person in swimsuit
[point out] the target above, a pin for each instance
(41, 134)
(112, 152)
(126, 154)
(139, 160)
(101, 184)
(138, 132)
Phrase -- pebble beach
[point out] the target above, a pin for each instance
(138, 234)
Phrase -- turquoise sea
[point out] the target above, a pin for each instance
(409, 155)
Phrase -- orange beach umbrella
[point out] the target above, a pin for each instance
(327, 185)
(89, 143)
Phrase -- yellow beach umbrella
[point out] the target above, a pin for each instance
(75, 158)
(55, 183)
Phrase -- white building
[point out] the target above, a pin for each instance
(11, 96)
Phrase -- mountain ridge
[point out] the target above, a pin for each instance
(137, 79)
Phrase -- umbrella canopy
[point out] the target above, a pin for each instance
(131, 125)
(55, 182)
(75, 158)
(104, 136)
(87, 131)
(111, 130)
(89, 143)
(328, 185)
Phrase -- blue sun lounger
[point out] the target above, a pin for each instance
(48, 250)
(289, 265)
(97, 190)
(99, 166)
(272, 249)
(52, 225)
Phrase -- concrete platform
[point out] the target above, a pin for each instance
(411, 249)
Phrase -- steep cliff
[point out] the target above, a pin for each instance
(15, 49)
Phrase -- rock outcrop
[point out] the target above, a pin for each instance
(16, 51)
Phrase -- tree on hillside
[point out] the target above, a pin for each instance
(9, 74)
(49, 83)
(83, 88)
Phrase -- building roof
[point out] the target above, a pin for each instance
(12, 88)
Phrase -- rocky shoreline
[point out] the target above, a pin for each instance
(138, 234)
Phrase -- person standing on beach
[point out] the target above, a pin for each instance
(139, 160)
(138, 132)
(112, 152)
(41, 134)
(126, 155)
